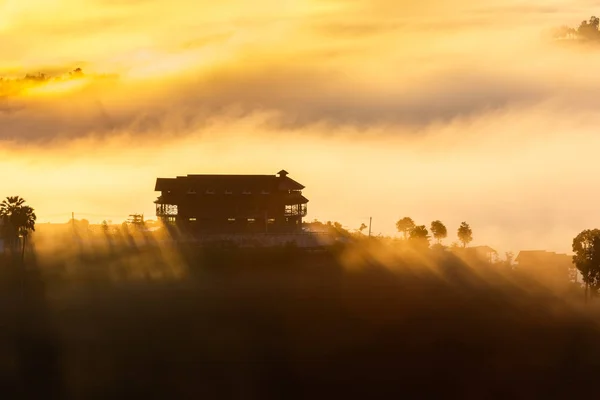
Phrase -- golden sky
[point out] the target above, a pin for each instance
(459, 111)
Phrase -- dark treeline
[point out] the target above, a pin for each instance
(414, 232)
(587, 31)
(285, 323)
(362, 318)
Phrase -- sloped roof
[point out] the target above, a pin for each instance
(296, 198)
(539, 254)
(483, 249)
(227, 182)
(474, 249)
(530, 254)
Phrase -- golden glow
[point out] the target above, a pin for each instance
(56, 88)
(434, 110)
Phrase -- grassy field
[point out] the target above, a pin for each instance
(366, 321)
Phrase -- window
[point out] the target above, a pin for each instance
(231, 219)
(193, 219)
(228, 192)
(271, 221)
(251, 220)
(191, 191)
(265, 192)
(210, 191)
(246, 192)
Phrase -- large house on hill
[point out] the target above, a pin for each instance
(232, 203)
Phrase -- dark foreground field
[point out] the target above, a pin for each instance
(287, 324)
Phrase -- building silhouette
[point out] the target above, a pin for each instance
(476, 253)
(547, 265)
(232, 203)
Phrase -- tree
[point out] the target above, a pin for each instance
(18, 220)
(76, 73)
(363, 226)
(439, 231)
(420, 235)
(589, 29)
(586, 247)
(564, 32)
(405, 225)
(465, 234)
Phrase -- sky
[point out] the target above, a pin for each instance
(451, 110)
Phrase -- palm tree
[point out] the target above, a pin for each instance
(18, 220)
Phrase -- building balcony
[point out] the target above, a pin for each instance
(296, 210)
(165, 210)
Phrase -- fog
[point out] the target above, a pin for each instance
(122, 311)
(458, 112)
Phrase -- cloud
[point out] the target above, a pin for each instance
(435, 110)
(394, 65)
(297, 97)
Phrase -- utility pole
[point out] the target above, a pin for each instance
(585, 249)
(370, 220)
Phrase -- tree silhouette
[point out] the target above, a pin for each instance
(586, 247)
(564, 32)
(18, 220)
(439, 231)
(76, 73)
(589, 29)
(420, 235)
(465, 234)
(405, 225)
